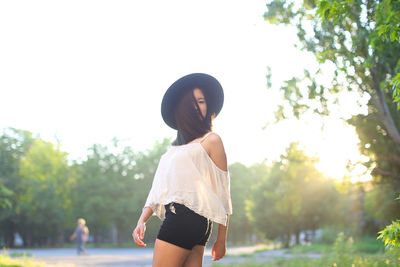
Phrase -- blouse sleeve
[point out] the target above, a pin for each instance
(222, 180)
(153, 200)
(150, 200)
(225, 192)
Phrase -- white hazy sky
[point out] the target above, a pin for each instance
(86, 71)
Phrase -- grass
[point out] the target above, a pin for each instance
(301, 249)
(20, 254)
(6, 261)
(366, 245)
(364, 260)
(367, 252)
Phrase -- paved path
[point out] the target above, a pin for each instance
(124, 257)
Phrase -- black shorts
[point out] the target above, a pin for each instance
(183, 227)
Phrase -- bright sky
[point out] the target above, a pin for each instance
(87, 71)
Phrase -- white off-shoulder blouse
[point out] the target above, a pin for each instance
(187, 175)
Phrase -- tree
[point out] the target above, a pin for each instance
(384, 161)
(387, 24)
(112, 188)
(145, 169)
(242, 180)
(291, 198)
(91, 192)
(45, 203)
(380, 204)
(347, 35)
(13, 146)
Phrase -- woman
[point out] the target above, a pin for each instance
(191, 185)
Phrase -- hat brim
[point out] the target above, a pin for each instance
(210, 86)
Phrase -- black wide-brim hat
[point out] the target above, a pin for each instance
(210, 86)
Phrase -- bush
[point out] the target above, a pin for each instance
(328, 235)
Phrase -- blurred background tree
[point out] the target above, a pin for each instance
(46, 199)
(288, 200)
(13, 146)
(292, 197)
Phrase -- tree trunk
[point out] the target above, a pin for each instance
(385, 116)
(10, 234)
(96, 239)
(285, 240)
(29, 238)
(313, 235)
(61, 237)
(297, 237)
(119, 236)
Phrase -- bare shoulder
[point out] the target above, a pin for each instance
(213, 142)
(215, 149)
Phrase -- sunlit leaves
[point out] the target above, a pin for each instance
(388, 17)
(391, 234)
(396, 90)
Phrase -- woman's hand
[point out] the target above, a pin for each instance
(218, 250)
(138, 234)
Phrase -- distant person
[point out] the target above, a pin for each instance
(191, 187)
(82, 235)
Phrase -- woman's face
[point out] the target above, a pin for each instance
(201, 101)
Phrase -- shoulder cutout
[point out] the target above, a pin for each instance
(215, 149)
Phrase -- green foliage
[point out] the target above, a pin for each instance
(5, 194)
(112, 187)
(242, 180)
(360, 39)
(328, 235)
(291, 197)
(379, 203)
(13, 146)
(364, 245)
(313, 247)
(396, 90)
(384, 163)
(368, 244)
(20, 254)
(42, 194)
(391, 234)
(46, 198)
(343, 247)
(388, 16)
(385, 14)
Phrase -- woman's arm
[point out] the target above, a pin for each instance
(215, 149)
(138, 233)
(219, 248)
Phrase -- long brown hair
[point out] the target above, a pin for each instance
(189, 120)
